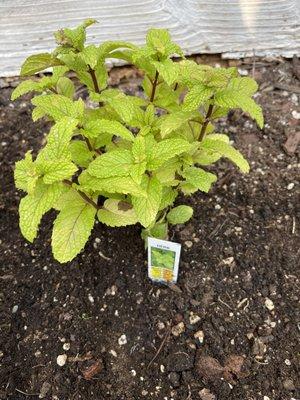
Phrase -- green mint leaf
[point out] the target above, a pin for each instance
(166, 172)
(139, 149)
(92, 129)
(179, 215)
(72, 227)
(58, 106)
(225, 150)
(37, 63)
(167, 69)
(80, 154)
(124, 106)
(117, 213)
(165, 150)
(124, 185)
(58, 140)
(197, 96)
(25, 87)
(168, 197)
(246, 85)
(33, 206)
(159, 231)
(231, 98)
(25, 174)
(114, 163)
(147, 208)
(197, 179)
(73, 37)
(137, 170)
(158, 39)
(172, 122)
(55, 171)
(65, 87)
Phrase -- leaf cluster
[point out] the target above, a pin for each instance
(126, 159)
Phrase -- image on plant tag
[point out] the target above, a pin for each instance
(163, 260)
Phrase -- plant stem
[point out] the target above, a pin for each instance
(86, 198)
(154, 86)
(206, 122)
(94, 78)
(53, 90)
(95, 82)
(88, 143)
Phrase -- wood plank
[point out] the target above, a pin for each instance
(232, 27)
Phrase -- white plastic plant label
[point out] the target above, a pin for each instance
(163, 260)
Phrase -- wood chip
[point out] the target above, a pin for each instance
(92, 370)
(292, 142)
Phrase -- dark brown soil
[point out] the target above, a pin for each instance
(240, 255)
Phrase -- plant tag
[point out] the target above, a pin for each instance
(163, 260)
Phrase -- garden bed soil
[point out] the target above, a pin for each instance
(237, 292)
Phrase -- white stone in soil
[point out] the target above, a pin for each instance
(296, 114)
(269, 304)
(61, 359)
(91, 298)
(113, 353)
(200, 336)
(178, 329)
(66, 346)
(194, 318)
(122, 340)
(15, 309)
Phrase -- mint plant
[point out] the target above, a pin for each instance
(125, 160)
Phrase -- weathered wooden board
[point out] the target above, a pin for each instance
(234, 28)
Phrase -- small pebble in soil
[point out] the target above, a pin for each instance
(228, 261)
(178, 329)
(294, 98)
(38, 353)
(288, 384)
(162, 368)
(160, 326)
(194, 318)
(259, 348)
(200, 336)
(61, 359)
(122, 340)
(133, 372)
(205, 394)
(44, 390)
(188, 243)
(267, 398)
(15, 309)
(113, 353)
(66, 346)
(91, 298)
(290, 186)
(296, 114)
(287, 362)
(269, 304)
